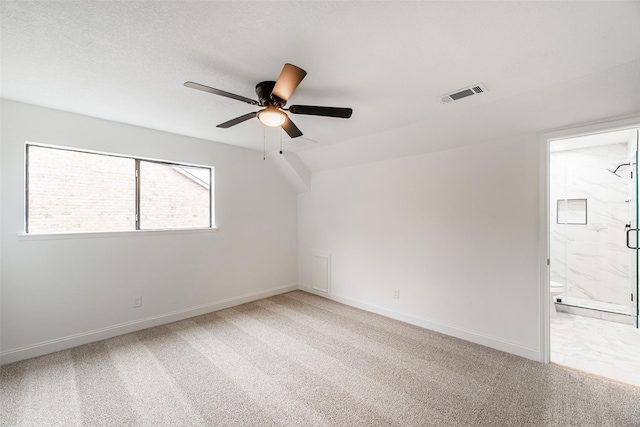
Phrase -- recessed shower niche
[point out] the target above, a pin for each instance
(572, 211)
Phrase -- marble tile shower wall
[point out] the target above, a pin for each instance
(592, 259)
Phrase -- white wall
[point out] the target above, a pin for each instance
(455, 231)
(61, 292)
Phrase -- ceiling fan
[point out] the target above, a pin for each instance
(273, 96)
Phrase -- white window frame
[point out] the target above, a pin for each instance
(138, 230)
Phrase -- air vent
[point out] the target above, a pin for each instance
(463, 93)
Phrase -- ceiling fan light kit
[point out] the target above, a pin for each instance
(271, 117)
(273, 96)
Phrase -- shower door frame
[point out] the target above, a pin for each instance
(544, 145)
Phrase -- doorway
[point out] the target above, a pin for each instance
(592, 253)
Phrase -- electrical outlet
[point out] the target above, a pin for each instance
(396, 293)
(137, 301)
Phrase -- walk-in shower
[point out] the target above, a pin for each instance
(593, 225)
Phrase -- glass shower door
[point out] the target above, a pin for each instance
(635, 304)
(632, 230)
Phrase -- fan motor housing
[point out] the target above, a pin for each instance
(263, 90)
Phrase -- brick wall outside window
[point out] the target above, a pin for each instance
(169, 199)
(72, 191)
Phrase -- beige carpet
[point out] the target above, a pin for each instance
(301, 360)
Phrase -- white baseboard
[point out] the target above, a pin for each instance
(454, 331)
(46, 347)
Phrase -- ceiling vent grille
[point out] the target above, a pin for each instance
(463, 93)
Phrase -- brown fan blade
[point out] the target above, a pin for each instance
(290, 78)
(204, 88)
(291, 129)
(237, 120)
(313, 110)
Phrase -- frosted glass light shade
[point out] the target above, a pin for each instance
(271, 117)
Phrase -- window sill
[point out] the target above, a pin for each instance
(100, 234)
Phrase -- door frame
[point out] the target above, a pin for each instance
(544, 139)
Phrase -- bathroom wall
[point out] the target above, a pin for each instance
(592, 259)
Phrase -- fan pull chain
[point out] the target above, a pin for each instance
(264, 143)
(280, 140)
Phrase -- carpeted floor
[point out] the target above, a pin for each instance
(301, 360)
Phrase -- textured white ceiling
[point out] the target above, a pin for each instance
(546, 64)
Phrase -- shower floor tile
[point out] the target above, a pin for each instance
(597, 346)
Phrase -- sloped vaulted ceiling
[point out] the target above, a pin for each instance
(546, 64)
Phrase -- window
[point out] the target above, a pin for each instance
(76, 191)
